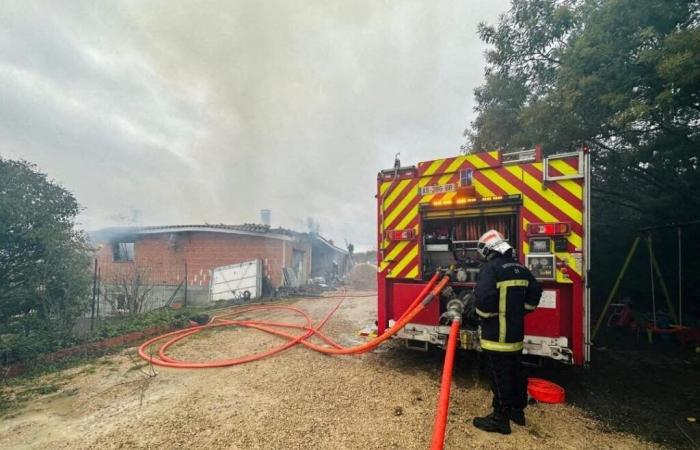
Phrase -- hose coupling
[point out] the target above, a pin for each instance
(455, 308)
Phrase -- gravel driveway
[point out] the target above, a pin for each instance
(296, 399)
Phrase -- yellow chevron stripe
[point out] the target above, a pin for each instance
(573, 187)
(388, 259)
(455, 164)
(413, 273)
(563, 167)
(410, 256)
(483, 190)
(398, 209)
(410, 215)
(570, 185)
(396, 191)
(409, 196)
(548, 194)
(477, 161)
(398, 249)
(528, 203)
(433, 167)
(384, 186)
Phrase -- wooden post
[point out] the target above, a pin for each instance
(616, 286)
(94, 293)
(664, 288)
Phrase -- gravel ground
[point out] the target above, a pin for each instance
(293, 400)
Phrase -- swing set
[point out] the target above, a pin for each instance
(654, 271)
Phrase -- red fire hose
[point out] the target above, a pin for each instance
(438, 440)
(415, 308)
(167, 340)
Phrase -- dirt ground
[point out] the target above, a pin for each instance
(293, 400)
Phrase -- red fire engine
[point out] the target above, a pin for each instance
(431, 215)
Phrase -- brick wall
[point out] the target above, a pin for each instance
(162, 256)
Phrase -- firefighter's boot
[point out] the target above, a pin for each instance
(494, 423)
(518, 417)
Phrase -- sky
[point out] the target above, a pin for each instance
(160, 112)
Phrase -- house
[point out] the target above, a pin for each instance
(156, 265)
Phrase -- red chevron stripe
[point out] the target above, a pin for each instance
(541, 201)
(443, 166)
(565, 195)
(433, 180)
(411, 187)
(400, 257)
(399, 217)
(411, 190)
(412, 265)
(490, 185)
(488, 159)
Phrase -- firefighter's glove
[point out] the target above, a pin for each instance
(469, 313)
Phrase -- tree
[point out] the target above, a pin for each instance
(622, 77)
(44, 259)
(128, 289)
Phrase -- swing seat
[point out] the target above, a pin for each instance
(686, 336)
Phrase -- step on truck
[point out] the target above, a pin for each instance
(431, 215)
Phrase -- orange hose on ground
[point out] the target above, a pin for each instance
(219, 321)
(438, 440)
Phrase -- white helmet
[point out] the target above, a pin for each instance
(492, 241)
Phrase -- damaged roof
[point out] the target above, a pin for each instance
(246, 227)
(330, 244)
(115, 234)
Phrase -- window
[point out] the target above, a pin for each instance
(121, 302)
(465, 177)
(123, 251)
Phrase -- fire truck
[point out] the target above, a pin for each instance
(431, 215)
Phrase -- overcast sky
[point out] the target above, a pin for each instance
(173, 112)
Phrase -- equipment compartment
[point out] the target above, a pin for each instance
(451, 242)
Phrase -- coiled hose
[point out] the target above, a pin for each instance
(165, 341)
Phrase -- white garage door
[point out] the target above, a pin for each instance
(231, 282)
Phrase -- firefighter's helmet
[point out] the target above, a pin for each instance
(492, 241)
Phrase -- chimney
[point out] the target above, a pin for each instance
(265, 216)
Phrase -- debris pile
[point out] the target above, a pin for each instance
(363, 277)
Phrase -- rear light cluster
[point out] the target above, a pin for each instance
(549, 229)
(401, 235)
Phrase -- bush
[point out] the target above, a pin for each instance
(44, 263)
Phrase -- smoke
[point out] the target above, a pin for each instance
(210, 111)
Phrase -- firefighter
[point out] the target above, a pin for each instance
(505, 291)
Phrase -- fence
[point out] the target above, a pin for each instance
(126, 289)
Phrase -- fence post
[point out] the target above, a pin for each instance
(99, 286)
(187, 282)
(94, 293)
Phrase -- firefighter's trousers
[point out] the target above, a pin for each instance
(508, 381)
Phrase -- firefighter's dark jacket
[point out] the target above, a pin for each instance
(505, 292)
